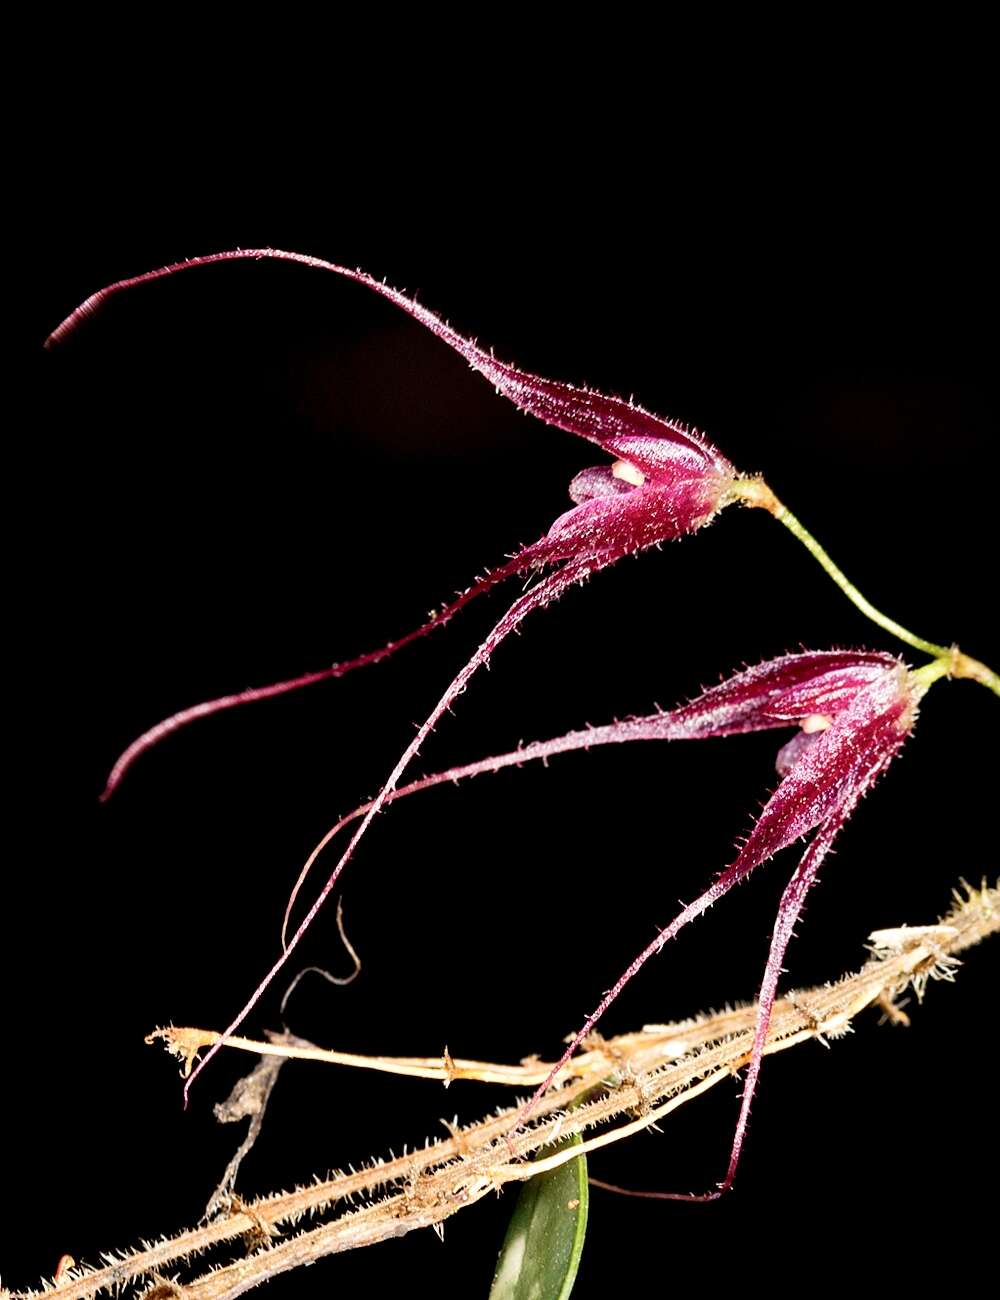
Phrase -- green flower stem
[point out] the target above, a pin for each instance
(924, 678)
(956, 664)
(785, 516)
(755, 492)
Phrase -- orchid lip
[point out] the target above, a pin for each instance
(628, 473)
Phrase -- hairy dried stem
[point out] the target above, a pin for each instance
(634, 1080)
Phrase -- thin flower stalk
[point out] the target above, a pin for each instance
(755, 492)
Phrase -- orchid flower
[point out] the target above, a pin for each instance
(666, 480)
(854, 710)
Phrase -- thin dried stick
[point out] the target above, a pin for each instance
(642, 1075)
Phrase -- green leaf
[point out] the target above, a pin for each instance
(541, 1251)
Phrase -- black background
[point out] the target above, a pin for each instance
(253, 470)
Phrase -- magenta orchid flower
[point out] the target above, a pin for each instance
(666, 480)
(854, 710)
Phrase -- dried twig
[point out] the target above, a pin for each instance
(635, 1079)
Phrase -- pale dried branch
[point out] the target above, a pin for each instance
(634, 1080)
